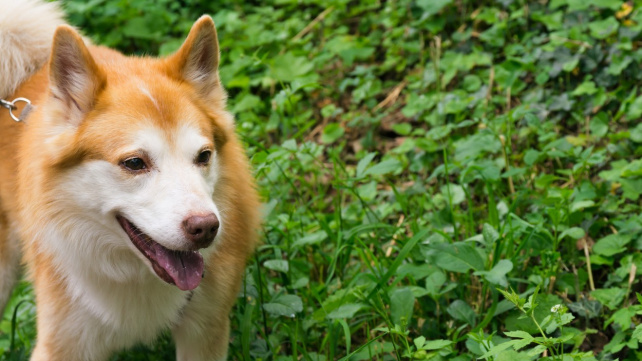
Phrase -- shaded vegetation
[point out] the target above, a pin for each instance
(443, 179)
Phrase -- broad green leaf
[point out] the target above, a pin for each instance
(385, 167)
(402, 302)
(497, 275)
(581, 205)
(619, 64)
(416, 271)
(617, 342)
(472, 83)
(247, 102)
(418, 292)
(607, 4)
(635, 111)
(511, 355)
(331, 133)
(490, 234)
(599, 125)
(364, 163)
(279, 265)
(311, 239)
(586, 88)
(611, 244)
(475, 145)
(575, 5)
(346, 311)
(436, 344)
(284, 305)
(402, 128)
(461, 311)
(368, 191)
(573, 232)
(139, 27)
(170, 46)
(553, 323)
(349, 55)
(622, 317)
(637, 333)
(531, 156)
(497, 349)
(287, 67)
(515, 321)
(519, 334)
(636, 133)
(435, 281)
(586, 308)
(602, 29)
(453, 192)
(552, 21)
(609, 297)
(432, 7)
(459, 257)
(419, 342)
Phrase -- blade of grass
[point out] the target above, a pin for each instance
(400, 258)
(347, 357)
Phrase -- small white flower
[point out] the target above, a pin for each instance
(556, 308)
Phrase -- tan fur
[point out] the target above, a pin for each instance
(37, 156)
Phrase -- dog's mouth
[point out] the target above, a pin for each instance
(181, 268)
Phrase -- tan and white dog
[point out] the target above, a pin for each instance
(127, 188)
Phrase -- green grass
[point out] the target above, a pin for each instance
(437, 175)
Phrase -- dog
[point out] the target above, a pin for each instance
(125, 191)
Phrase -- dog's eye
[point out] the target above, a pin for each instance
(134, 164)
(204, 157)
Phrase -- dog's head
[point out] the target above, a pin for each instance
(136, 144)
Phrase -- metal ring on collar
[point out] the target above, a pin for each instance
(13, 107)
(6, 104)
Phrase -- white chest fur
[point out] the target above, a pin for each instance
(116, 300)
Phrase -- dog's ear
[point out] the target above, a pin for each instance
(197, 60)
(75, 79)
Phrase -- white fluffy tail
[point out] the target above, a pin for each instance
(26, 33)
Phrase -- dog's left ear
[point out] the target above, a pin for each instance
(197, 60)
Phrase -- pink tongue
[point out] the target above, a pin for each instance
(184, 268)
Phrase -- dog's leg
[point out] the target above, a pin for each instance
(9, 262)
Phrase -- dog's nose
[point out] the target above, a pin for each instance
(201, 229)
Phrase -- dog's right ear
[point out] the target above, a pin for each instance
(197, 59)
(75, 79)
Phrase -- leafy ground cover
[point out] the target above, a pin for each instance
(443, 179)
